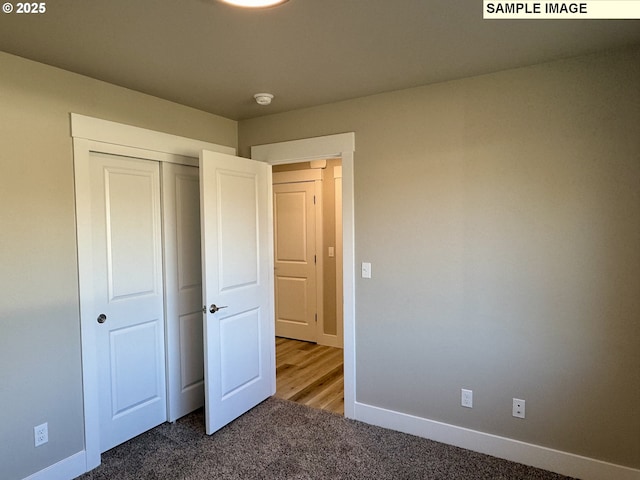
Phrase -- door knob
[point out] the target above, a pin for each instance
(102, 318)
(214, 308)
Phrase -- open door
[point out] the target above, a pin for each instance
(237, 284)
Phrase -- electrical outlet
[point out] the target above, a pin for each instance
(466, 398)
(41, 434)
(518, 408)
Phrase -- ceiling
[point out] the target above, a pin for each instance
(214, 57)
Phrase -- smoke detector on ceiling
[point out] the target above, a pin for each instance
(254, 3)
(263, 98)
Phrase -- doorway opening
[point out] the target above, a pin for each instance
(308, 280)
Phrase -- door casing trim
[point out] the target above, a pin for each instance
(342, 146)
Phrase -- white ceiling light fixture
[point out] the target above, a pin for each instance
(254, 3)
(263, 98)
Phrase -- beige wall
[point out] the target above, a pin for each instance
(40, 371)
(329, 233)
(502, 218)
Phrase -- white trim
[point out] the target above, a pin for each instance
(331, 146)
(328, 340)
(318, 206)
(134, 152)
(70, 467)
(92, 134)
(295, 151)
(271, 267)
(120, 134)
(529, 454)
(296, 176)
(318, 163)
(339, 337)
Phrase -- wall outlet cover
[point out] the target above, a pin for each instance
(41, 434)
(518, 408)
(466, 399)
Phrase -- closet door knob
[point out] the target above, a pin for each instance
(102, 318)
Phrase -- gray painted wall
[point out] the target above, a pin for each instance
(40, 371)
(502, 217)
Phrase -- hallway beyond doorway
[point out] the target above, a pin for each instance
(310, 374)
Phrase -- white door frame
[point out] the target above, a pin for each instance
(92, 134)
(332, 146)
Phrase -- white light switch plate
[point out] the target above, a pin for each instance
(366, 270)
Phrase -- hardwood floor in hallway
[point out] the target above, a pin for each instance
(310, 374)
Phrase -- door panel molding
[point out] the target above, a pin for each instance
(145, 187)
(146, 392)
(238, 241)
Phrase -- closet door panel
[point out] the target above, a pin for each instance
(183, 281)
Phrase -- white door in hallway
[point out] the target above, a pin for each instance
(128, 296)
(295, 260)
(237, 242)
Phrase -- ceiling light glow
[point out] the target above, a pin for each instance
(254, 3)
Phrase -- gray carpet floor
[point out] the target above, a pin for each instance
(284, 440)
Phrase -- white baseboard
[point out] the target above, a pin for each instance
(330, 341)
(66, 469)
(534, 455)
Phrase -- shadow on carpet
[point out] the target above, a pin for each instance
(279, 439)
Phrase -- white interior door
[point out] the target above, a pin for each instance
(237, 244)
(128, 297)
(295, 260)
(183, 288)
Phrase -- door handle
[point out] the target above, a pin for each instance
(102, 318)
(214, 308)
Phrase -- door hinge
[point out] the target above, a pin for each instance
(315, 259)
(314, 199)
(316, 318)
